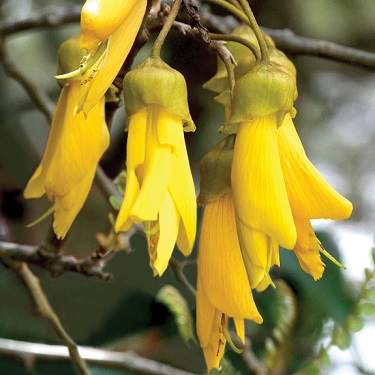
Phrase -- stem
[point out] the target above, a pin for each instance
(45, 310)
(236, 4)
(127, 361)
(35, 92)
(177, 269)
(155, 52)
(257, 31)
(231, 8)
(232, 38)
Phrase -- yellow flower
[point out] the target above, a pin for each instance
(264, 217)
(223, 290)
(159, 185)
(260, 252)
(67, 169)
(310, 197)
(108, 31)
(259, 191)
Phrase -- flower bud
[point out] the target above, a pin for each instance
(215, 169)
(156, 83)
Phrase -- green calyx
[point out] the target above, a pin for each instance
(215, 170)
(265, 89)
(69, 56)
(156, 83)
(244, 58)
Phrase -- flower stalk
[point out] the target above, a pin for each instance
(155, 52)
(258, 33)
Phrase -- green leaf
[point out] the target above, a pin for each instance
(310, 369)
(366, 309)
(324, 356)
(115, 203)
(226, 368)
(177, 305)
(111, 218)
(370, 294)
(373, 255)
(354, 323)
(340, 337)
(121, 182)
(368, 273)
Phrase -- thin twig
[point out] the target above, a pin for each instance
(37, 95)
(43, 307)
(216, 45)
(128, 361)
(177, 268)
(293, 44)
(105, 184)
(253, 364)
(49, 17)
(55, 263)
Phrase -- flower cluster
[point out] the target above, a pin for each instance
(259, 189)
(267, 198)
(159, 186)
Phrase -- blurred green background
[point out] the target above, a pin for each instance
(335, 120)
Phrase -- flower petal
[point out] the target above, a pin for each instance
(307, 249)
(169, 220)
(181, 185)
(209, 329)
(205, 314)
(100, 18)
(68, 206)
(121, 42)
(258, 186)
(221, 267)
(35, 187)
(240, 329)
(154, 174)
(309, 193)
(80, 145)
(135, 156)
(259, 253)
(123, 221)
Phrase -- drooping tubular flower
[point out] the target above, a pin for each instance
(75, 145)
(310, 197)
(108, 31)
(223, 290)
(264, 217)
(276, 189)
(159, 185)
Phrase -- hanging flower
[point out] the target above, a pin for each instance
(108, 31)
(224, 290)
(310, 197)
(261, 99)
(159, 185)
(74, 147)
